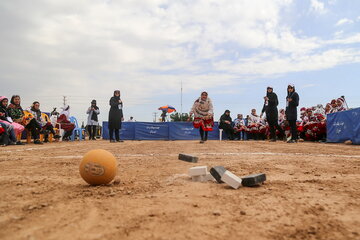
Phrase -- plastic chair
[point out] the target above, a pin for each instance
(76, 129)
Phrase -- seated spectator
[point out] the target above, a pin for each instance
(334, 106)
(328, 108)
(42, 120)
(340, 104)
(18, 115)
(255, 126)
(5, 118)
(64, 120)
(7, 134)
(225, 124)
(240, 127)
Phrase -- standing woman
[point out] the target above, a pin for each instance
(203, 115)
(292, 102)
(115, 116)
(93, 112)
(270, 108)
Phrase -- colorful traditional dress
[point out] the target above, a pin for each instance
(203, 114)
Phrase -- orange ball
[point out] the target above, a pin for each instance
(98, 167)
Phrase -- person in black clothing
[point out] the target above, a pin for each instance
(163, 115)
(115, 116)
(225, 124)
(292, 102)
(270, 108)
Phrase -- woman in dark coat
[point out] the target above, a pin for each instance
(115, 116)
(225, 124)
(270, 108)
(292, 102)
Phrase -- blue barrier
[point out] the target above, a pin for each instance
(342, 126)
(127, 130)
(159, 131)
(151, 131)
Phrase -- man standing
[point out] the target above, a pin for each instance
(270, 108)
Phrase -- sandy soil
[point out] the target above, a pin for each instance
(312, 192)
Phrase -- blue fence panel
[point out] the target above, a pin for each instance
(127, 131)
(356, 119)
(151, 131)
(183, 131)
(160, 131)
(214, 134)
(342, 126)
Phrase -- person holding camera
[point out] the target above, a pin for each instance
(92, 122)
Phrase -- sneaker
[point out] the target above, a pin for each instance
(46, 140)
(202, 141)
(11, 143)
(272, 140)
(93, 138)
(37, 142)
(57, 136)
(291, 141)
(120, 140)
(112, 141)
(19, 143)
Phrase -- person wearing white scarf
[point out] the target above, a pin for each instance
(203, 112)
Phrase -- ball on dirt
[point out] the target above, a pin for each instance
(98, 166)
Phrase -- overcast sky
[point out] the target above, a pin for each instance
(232, 48)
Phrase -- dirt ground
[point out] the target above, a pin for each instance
(312, 192)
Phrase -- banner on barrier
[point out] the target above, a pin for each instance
(127, 131)
(160, 131)
(151, 131)
(343, 126)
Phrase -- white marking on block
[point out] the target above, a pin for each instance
(231, 179)
(198, 171)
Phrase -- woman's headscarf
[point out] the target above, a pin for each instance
(66, 111)
(202, 108)
(2, 98)
(12, 103)
(38, 112)
(94, 115)
(290, 93)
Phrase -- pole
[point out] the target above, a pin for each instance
(64, 100)
(155, 113)
(347, 106)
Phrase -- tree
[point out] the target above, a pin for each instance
(177, 117)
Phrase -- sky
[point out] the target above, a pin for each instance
(233, 49)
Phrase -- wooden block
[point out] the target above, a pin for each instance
(217, 173)
(198, 171)
(231, 179)
(188, 158)
(254, 179)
